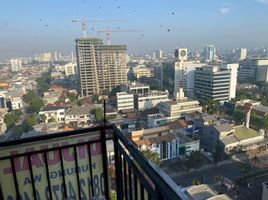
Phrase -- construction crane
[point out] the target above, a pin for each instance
(108, 33)
(84, 22)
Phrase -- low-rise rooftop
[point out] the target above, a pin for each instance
(84, 110)
(242, 133)
(51, 108)
(200, 192)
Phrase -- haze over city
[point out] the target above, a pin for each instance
(28, 27)
(120, 99)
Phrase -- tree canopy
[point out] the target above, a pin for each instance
(238, 116)
(195, 160)
(11, 119)
(44, 82)
(34, 101)
(151, 155)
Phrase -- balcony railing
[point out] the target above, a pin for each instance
(76, 165)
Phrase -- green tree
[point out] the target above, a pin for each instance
(36, 104)
(195, 160)
(196, 182)
(31, 121)
(245, 168)
(43, 82)
(212, 107)
(265, 122)
(219, 180)
(238, 116)
(51, 120)
(42, 118)
(34, 101)
(29, 96)
(10, 120)
(151, 155)
(17, 112)
(218, 153)
(72, 97)
(114, 91)
(255, 121)
(99, 114)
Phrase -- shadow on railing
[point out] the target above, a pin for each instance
(74, 165)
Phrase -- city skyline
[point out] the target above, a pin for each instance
(31, 27)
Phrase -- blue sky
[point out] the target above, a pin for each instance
(195, 23)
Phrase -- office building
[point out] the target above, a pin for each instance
(233, 68)
(142, 71)
(100, 67)
(150, 99)
(113, 69)
(251, 70)
(210, 53)
(179, 107)
(179, 75)
(212, 82)
(262, 71)
(44, 57)
(53, 114)
(241, 54)
(135, 88)
(70, 68)
(15, 65)
(184, 77)
(158, 54)
(124, 101)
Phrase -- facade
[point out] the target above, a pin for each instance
(150, 99)
(172, 110)
(241, 54)
(141, 71)
(3, 126)
(15, 65)
(251, 70)
(168, 71)
(233, 68)
(100, 67)
(70, 69)
(135, 88)
(124, 101)
(179, 107)
(17, 103)
(51, 97)
(212, 82)
(79, 116)
(53, 114)
(158, 54)
(262, 71)
(184, 76)
(210, 53)
(167, 142)
(114, 66)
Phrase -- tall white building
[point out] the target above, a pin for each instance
(158, 54)
(100, 67)
(124, 101)
(262, 70)
(184, 73)
(179, 78)
(241, 54)
(212, 82)
(150, 99)
(184, 76)
(70, 68)
(233, 68)
(210, 53)
(15, 65)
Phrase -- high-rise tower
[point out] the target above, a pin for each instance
(100, 67)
